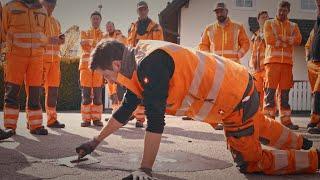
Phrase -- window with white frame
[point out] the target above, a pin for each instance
(308, 5)
(244, 3)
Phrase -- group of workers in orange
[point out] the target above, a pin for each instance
(208, 84)
(216, 88)
(32, 57)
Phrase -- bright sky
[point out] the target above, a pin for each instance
(121, 12)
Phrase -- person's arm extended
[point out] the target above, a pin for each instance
(119, 118)
(154, 74)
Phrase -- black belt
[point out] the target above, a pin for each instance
(241, 133)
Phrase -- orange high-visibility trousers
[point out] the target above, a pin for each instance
(29, 70)
(244, 140)
(314, 78)
(51, 85)
(278, 76)
(91, 85)
(259, 83)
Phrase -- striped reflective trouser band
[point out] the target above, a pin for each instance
(241, 133)
(10, 117)
(34, 118)
(86, 112)
(287, 138)
(195, 85)
(283, 159)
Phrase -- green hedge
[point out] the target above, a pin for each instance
(69, 92)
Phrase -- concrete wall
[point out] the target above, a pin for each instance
(200, 13)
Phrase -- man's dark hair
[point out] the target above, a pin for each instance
(285, 4)
(261, 13)
(105, 53)
(96, 13)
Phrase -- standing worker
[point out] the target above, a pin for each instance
(4, 134)
(213, 88)
(225, 38)
(91, 82)
(115, 92)
(256, 63)
(51, 65)
(143, 29)
(24, 28)
(313, 58)
(281, 36)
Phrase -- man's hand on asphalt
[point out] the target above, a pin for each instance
(87, 148)
(140, 174)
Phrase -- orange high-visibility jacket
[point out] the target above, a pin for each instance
(1, 34)
(89, 39)
(153, 32)
(24, 29)
(117, 35)
(52, 51)
(281, 37)
(309, 43)
(256, 62)
(204, 86)
(225, 41)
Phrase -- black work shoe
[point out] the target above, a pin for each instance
(306, 144)
(139, 124)
(107, 119)
(97, 123)
(56, 124)
(314, 130)
(312, 125)
(219, 127)
(292, 126)
(5, 134)
(85, 124)
(186, 118)
(39, 131)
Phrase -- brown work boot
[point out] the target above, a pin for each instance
(139, 124)
(39, 131)
(56, 124)
(97, 123)
(85, 124)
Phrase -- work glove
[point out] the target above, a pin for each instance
(87, 148)
(140, 174)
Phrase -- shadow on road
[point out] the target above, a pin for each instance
(194, 134)
(136, 133)
(11, 162)
(55, 146)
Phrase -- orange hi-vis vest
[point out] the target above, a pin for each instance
(258, 52)
(204, 86)
(276, 50)
(92, 38)
(52, 51)
(24, 29)
(153, 32)
(226, 41)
